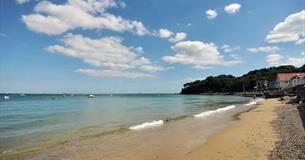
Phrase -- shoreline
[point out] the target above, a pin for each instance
(249, 131)
(252, 137)
(159, 141)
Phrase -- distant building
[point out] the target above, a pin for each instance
(272, 85)
(288, 80)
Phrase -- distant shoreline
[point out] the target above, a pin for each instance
(244, 94)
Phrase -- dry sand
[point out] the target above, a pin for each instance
(253, 137)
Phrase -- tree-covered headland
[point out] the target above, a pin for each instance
(230, 84)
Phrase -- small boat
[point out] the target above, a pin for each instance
(6, 97)
(54, 98)
(91, 96)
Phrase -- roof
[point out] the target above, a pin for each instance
(289, 76)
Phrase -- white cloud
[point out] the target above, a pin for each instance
(192, 79)
(3, 35)
(227, 48)
(199, 54)
(165, 33)
(265, 49)
(211, 14)
(152, 68)
(43, 24)
(295, 61)
(291, 29)
(114, 73)
(22, 1)
(234, 56)
(54, 19)
(277, 60)
(108, 53)
(232, 8)
(171, 36)
(300, 41)
(178, 37)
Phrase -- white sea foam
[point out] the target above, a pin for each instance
(254, 102)
(259, 99)
(147, 125)
(251, 103)
(207, 113)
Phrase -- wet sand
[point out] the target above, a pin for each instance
(253, 137)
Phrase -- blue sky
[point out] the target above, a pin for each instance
(137, 46)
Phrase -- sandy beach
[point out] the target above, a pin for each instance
(253, 137)
(271, 129)
(152, 80)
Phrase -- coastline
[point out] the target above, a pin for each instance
(245, 132)
(252, 137)
(172, 140)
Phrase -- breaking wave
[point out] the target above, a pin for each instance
(254, 102)
(207, 113)
(147, 125)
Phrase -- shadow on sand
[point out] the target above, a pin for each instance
(301, 109)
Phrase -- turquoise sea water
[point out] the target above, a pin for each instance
(27, 120)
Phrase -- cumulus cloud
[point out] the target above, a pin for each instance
(170, 35)
(199, 54)
(295, 61)
(165, 33)
(54, 19)
(278, 59)
(265, 49)
(211, 14)
(22, 1)
(178, 37)
(232, 8)
(275, 59)
(291, 29)
(227, 48)
(107, 53)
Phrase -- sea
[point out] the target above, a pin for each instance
(39, 121)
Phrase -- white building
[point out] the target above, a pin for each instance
(288, 80)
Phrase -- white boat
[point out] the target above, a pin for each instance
(6, 97)
(91, 96)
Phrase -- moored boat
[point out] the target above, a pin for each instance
(6, 97)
